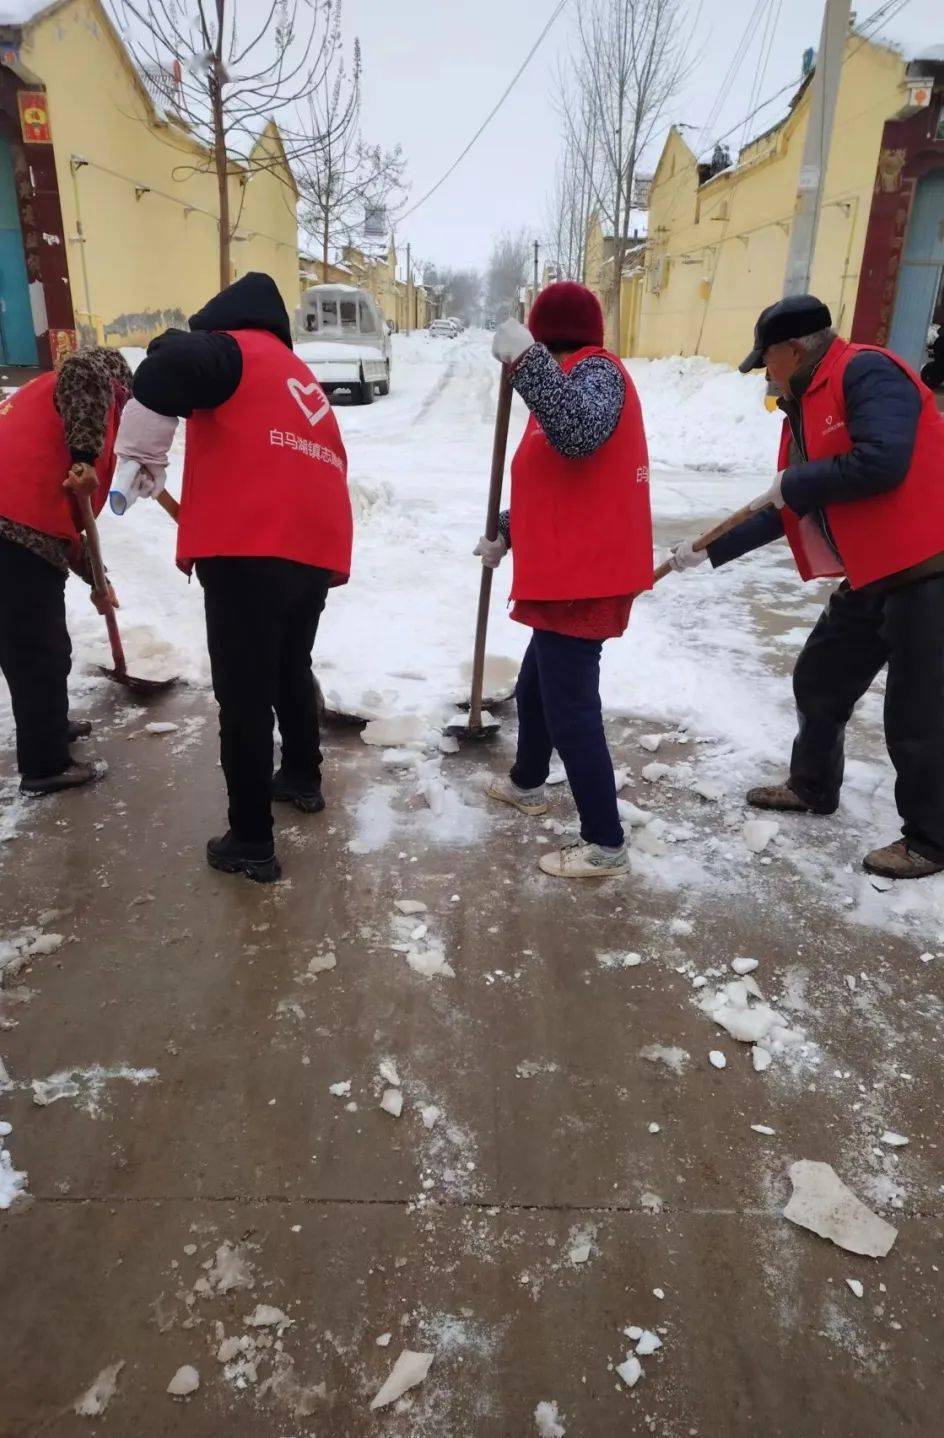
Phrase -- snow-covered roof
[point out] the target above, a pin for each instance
(21, 12)
(934, 54)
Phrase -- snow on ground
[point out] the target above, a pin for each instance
(711, 651)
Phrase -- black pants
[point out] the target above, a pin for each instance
(854, 638)
(35, 657)
(262, 617)
(558, 696)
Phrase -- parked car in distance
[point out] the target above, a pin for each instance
(459, 324)
(349, 346)
(443, 329)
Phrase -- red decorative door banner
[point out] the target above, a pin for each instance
(34, 117)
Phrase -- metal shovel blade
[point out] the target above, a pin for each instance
(143, 688)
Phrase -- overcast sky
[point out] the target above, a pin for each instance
(432, 71)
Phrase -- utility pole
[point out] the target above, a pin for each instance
(824, 88)
(534, 292)
(409, 281)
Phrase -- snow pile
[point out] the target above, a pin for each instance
(739, 1008)
(701, 415)
(12, 1181)
(423, 952)
(96, 1398)
(548, 1422)
(29, 943)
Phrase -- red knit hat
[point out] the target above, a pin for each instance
(567, 316)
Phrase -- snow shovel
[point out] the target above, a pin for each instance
(142, 687)
(702, 542)
(473, 726)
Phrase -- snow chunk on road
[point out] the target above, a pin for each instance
(409, 1370)
(893, 1140)
(673, 1058)
(341, 1089)
(757, 834)
(744, 966)
(717, 1059)
(856, 1287)
(12, 1180)
(184, 1382)
(739, 1008)
(648, 1343)
(392, 1102)
(264, 1315)
(397, 731)
(96, 1399)
(822, 1203)
(547, 1420)
(630, 1370)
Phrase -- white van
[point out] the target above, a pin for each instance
(349, 346)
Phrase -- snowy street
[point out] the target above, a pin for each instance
(419, 1096)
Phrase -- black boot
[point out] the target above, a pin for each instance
(306, 795)
(239, 856)
(72, 778)
(79, 729)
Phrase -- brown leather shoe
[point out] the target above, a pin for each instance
(898, 861)
(781, 798)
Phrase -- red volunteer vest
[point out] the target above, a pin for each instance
(581, 528)
(35, 459)
(266, 472)
(878, 536)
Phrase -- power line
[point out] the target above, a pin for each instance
(492, 113)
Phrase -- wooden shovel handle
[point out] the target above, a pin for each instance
(499, 446)
(723, 527)
(169, 505)
(100, 583)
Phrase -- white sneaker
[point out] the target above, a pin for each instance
(581, 860)
(527, 801)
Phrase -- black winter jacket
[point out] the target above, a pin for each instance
(201, 368)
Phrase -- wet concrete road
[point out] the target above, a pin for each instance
(163, 1209)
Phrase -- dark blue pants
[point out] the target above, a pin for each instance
(558, 697)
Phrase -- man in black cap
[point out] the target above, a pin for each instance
(860, 497)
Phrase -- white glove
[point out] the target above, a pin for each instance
(512, 340)
(491, 551)
(135, 481)
(772, 495)
(684, 556)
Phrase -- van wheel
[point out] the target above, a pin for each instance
(367, 390)
(383, 388)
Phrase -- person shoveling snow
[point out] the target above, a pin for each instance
(580, 533)
(57, 440)
(858, 496)
(265, 518)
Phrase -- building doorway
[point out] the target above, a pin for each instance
(17, 335)
(922, 271)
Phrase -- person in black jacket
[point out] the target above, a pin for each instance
(896, 621)
(263, 604)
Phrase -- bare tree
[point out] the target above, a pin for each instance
(346, 185)
(460, 290)
(507, 271)
(632, 60)
(225, 85)
(573, 197)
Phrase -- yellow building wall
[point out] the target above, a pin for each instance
(147, 261)
(717, 253)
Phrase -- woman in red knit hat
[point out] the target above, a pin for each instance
(580, 532)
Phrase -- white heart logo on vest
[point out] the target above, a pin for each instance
(300, 392)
